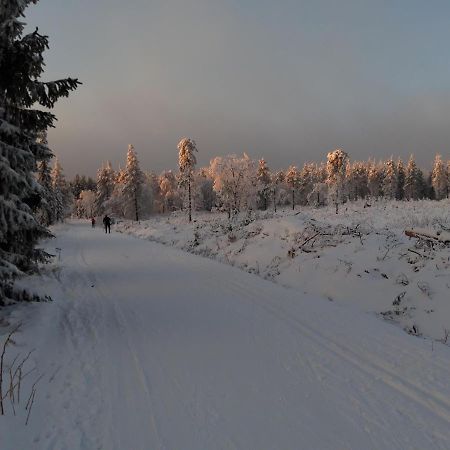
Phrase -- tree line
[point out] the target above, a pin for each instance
(234, 183)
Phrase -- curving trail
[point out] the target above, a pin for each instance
(146, 347)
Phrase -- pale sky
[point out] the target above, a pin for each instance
(287, 80)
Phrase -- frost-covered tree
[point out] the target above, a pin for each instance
(263, 184)
(293, 181)
(106, 178)
(413, 180)
(400, 194)
(85, 204)
(204, 190)
(318, 195)
(439, 178)
(390, 180)
(132, 180)
(21, 92)
(307, 179)
(336, 170)
(186, 163)
(168, 187)
(277, 180)
(62, 193)
(234, 181)
(375, 180)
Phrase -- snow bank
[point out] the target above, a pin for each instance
(359, 257)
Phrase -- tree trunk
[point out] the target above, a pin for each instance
(136, 207)
(293, 199)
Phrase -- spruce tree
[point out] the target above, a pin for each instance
(46, 210)
(414, 181)
(439, 178)
(132, 180)
(400, 195)
(390, 180)
(62, 193)
(105, 186)
(21, 67)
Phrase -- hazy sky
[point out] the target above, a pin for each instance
(287, 80)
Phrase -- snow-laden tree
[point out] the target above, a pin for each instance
(319, 194)
(375, 179)
(21, 92)
(45, 212)
(106, 178)
(293, 180)
(263, 180)
(204, 194)
(234, 181)
(356, 180)
(186, 163)
(277, 181)
(306, 180)
(413, 181)
(390, 179)
(169, 192)
(85, 204)
(400, 194)
(131, 181)
(439, 178)
(62, 194)
(336, 169)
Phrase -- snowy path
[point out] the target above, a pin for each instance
(146, 347)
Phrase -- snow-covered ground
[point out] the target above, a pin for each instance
(148, 347)
(360, 257)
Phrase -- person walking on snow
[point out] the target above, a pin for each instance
(107, 224)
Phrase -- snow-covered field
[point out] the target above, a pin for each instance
(360, 257)
(149, 347)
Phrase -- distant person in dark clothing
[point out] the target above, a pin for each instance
(107, 224)
(93, 222)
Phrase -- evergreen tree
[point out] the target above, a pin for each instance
(374, 180)
(400, 195)
(390, 180)
(21, 66)
(104, 187)
(62, 193)
(46, 210)
(186, 162)
(413, 180)
(439, 178)
(132, 181)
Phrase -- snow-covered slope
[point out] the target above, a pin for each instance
(360, 257)
(147, 347)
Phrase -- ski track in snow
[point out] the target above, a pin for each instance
(147, 347)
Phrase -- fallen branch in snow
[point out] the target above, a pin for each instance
(430, 236)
